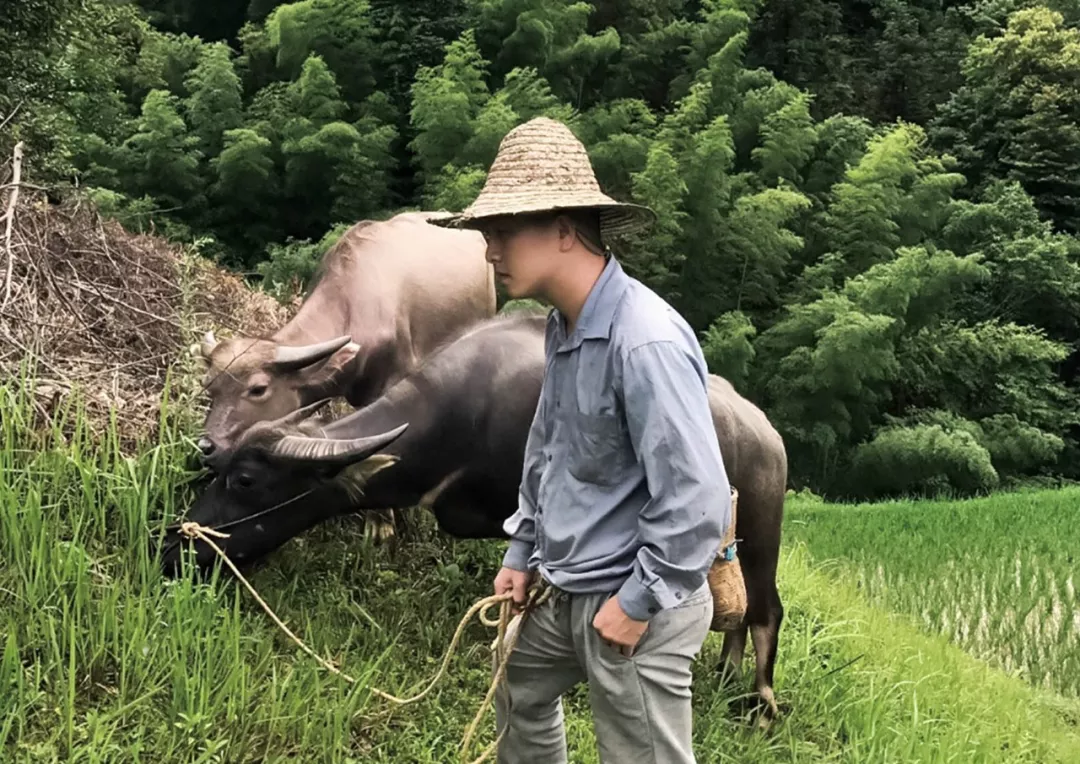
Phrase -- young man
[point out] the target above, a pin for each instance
(624, 498)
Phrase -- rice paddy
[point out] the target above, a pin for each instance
(998, 576)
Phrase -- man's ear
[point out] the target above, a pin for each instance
(567, 232)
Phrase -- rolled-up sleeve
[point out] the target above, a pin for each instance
(521, 526)
(680, 527)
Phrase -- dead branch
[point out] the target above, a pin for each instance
(117, 301)
(106, 311)
(13, 199)
(23, 184)
(11, 116)
(29, 353)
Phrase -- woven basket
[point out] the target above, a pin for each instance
(726, 581)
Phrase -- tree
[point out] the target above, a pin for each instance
(215, 104)
(334, 170)
(1017, 115)
(162, 158)
(337, 31)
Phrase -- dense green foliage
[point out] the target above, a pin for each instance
(869, 211)
(102, 661)
(994, 575)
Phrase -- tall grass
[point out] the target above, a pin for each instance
(998, 576)
(103, 661)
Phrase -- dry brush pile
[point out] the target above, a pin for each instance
(87, 305)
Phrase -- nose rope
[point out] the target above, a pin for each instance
(249, 518)
(538, 594)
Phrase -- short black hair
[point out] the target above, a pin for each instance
(586, 222)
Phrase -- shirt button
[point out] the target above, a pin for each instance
(549, 457)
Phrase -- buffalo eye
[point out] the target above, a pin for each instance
(243, 480)
(257, 391)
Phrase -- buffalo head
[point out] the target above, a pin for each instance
(255, 380)
(283, 477)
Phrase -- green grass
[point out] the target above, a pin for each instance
(998, 575)
(103, 661)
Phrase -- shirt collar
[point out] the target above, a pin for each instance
(598, 312)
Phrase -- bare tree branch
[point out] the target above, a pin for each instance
(16, 165)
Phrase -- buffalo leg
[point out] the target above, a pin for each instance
(376, 524)
(731, 654)
(379, 524)
(764, 623)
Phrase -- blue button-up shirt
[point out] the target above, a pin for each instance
(623, 488)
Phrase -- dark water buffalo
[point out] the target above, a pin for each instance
(451, 437)
(386, 294)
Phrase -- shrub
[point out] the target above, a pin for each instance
(922, 460)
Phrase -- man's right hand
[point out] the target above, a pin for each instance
(515, 582)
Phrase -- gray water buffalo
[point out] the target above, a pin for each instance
(386, 295)
(451, 437)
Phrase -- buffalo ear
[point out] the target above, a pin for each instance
(344, 357)
(328, 377)
(356, 476)
(366, 469)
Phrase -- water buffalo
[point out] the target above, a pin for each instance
(451, 437)
(386, 294)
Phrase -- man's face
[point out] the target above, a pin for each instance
(523, 253)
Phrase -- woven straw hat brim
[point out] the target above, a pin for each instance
(616, 218)
(541, 166)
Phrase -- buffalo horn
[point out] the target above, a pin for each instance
(333, 451)
(299, 415)
(208, 344)
(290, 358)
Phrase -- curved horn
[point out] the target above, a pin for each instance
(289, 358)
(208, 344)
(298, 416)
(332, 451)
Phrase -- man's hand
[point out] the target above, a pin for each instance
(516, 582)
(617, 628)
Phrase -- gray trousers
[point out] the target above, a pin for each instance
(640, 704)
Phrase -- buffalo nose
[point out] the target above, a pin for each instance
(206, 446)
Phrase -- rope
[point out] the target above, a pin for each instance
(536, 597)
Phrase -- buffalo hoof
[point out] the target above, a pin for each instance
(756, 709)
(767, 710)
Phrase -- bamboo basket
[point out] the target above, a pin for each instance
(726, 579)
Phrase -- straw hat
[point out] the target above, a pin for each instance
(541, 166)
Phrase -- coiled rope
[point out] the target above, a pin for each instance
(537, 596)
